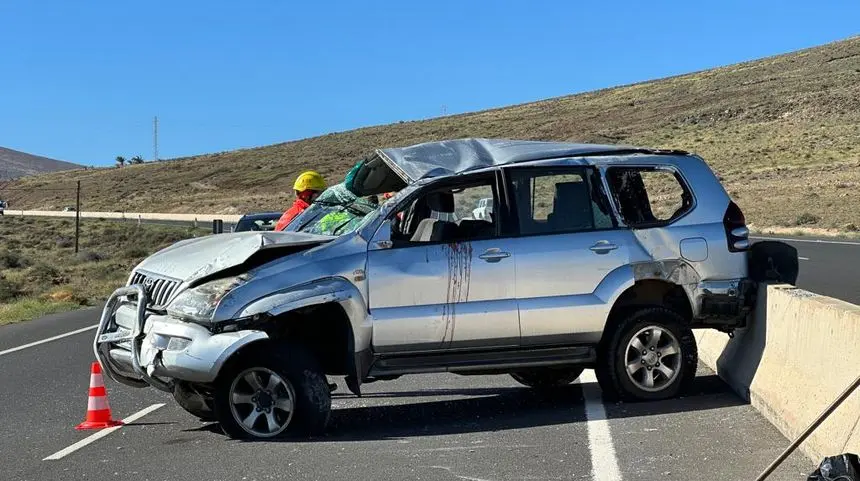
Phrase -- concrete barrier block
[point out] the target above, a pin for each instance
(798, 353)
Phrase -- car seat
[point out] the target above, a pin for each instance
(434, 229)
(571, 209)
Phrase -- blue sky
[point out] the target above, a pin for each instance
(81, 81)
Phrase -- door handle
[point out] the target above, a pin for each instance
(494, 255)
(602, 247)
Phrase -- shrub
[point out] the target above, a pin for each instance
(65, 242)
(8, 290)
(806, 218)
(13, 260)
(90, 256)
(46, 274)
(135, 252)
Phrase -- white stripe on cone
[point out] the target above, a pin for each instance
(97, 403)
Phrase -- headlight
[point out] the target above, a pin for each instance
(198, 304)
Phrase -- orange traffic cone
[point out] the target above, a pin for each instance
(98, 411)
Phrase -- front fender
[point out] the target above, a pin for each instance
(323, 291)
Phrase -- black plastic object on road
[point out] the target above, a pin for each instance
(773, 261)
(217, 226)
(844, 467)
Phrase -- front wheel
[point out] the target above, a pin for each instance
(546, 377)
(272, 393)
(650, 356)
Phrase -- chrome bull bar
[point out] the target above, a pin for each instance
(101, 347)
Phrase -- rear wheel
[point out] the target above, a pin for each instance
(271, 394)
(650, 356)
(547, 377)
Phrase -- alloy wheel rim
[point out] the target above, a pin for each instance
(262, 402)
(653, 359)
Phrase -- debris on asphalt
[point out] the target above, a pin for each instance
(844, 467)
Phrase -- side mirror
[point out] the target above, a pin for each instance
(382, 238)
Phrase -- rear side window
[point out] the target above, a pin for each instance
(550, 202)
(647, 196)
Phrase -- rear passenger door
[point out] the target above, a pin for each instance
(567, 243)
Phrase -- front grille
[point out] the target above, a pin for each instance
(158, 289)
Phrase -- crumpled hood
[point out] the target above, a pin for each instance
(193, 259)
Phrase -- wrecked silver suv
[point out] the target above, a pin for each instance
(586, 256)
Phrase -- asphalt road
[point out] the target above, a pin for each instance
(436, 427)
(829, 267)
(432, 427)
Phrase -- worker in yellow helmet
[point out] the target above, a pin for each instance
(308, 186)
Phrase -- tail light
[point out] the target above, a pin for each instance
(737, 233)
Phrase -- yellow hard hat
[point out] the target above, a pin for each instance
(309, 180)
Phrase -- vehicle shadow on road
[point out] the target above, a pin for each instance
(497, 409)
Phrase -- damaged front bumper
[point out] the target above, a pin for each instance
(141, 348)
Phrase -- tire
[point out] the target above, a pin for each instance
(195, 404)
(299, 380)
(546, 377)
(612, 367)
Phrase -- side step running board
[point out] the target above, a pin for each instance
(465, 362)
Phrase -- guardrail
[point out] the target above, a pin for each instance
(129, 215)
(218, 222)
(798, 354)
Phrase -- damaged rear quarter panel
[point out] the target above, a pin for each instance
(660, 259)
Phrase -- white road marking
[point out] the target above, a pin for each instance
(813, 241)
(67, 334)
(803, 258)
(604, 463)
(100, 434)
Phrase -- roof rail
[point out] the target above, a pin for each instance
(635, 150)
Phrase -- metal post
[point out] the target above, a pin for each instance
(77, 216)
(155, 139)
(805, 434)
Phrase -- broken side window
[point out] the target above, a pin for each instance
(647, 196)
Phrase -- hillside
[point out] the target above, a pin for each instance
(15, 164)
(783, 132)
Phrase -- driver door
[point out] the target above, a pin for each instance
(449, 287)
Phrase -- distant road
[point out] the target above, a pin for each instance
(830, 267)
(128, 215)
(202, 220)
